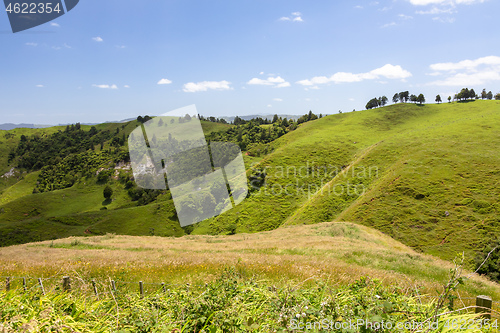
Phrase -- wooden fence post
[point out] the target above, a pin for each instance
(25, 287)
(141, 289)
(41, 285)
(113, 285)
(485, 303)
(7, 284)
(163, 287)
(66, 284)
(95, 288)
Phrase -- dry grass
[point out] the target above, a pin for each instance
(340, 252)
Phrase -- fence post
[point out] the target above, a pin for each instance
(113, 285)
(485, 303)
(187, 287)
(66, 283)
(25, 287)
(7, 284)
(141, 289)
(41, 285)
(95, 288)
(163, 287)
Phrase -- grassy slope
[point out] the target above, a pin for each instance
(78, 210)
(424, 161)
(417, 165)
(339, 252)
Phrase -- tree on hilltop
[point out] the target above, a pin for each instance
(421, 99)
(484, 94)
(395, 98)
(438, 99)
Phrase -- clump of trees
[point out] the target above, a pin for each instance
(467, 94)
(376, 102)
(250, 135)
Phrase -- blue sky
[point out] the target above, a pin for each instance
(116, 59)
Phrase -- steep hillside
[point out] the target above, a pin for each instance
(71, 201)
(426, 175)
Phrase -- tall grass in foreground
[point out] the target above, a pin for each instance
(234, 302)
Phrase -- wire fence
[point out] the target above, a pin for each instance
(110, 287)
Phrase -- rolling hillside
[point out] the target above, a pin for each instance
(426, 175)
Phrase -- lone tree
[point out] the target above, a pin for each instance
(421, 99)
(489, 95)
(449, 99)
(395, 98)
(108, 192)
(438, 99)
(483, 94)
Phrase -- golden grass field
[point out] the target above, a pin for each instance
(338, 252)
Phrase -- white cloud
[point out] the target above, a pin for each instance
(436, 11)
(164, 81)
(120, 46)
(97, 39)
(261, 73)
(387, 25)
(358, 7)
(405, 17)
(31, 44)
(278, 99)
(277, 82)
(444, 2)
(54, 24)
(296, 17)
(40, 86)
(269, 106)
(126, 86)
(387, 71)
(105, 86)
(207, 85)
(467, 72)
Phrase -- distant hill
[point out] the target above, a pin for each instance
(9, 126)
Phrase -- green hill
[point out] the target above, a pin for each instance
(426, 175)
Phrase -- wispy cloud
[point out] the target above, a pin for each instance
(164, 81)
(40, 86)
(387, 25)
(277, 82)
(97, 39)
(295, 17)
(32, 44)
(207, 85)
(278, 99)
(53, 24)
(467, 72)
(444, 2)
(105, 86)
(387, 71)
